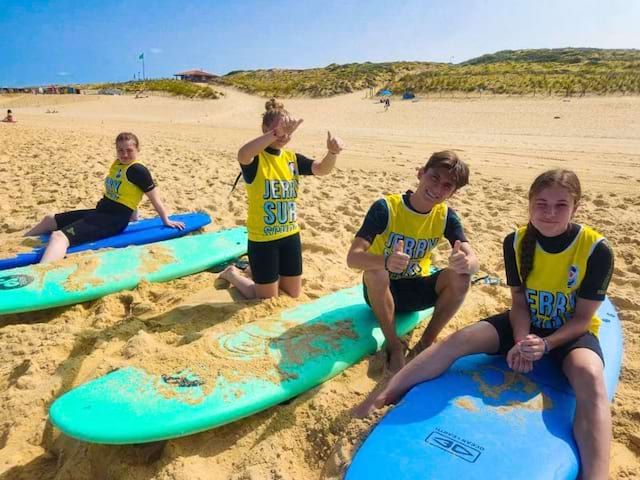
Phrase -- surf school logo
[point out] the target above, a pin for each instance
(454, 445)
(119, 174)
(11, 282)
(293, 169)
(573, 276)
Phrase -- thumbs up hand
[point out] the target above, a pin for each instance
(398, 260)
(459, 261)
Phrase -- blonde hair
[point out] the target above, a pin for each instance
(273, 110)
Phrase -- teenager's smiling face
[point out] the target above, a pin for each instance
(551, 210)
(436, 185)
(127, 151)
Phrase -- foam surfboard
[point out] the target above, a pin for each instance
(144, 231)
(259, 365)
(481, 420)
(80, 278)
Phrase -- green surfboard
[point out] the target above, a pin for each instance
(256, 367)
(80, 278)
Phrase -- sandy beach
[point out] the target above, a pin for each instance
(52, 162)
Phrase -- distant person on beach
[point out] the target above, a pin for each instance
(387, 104)
(393, 247)
(126, 183)
(271, 174)
(9, 118)
(559, 273)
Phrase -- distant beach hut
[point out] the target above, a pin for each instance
(195, 76)
(408, 96)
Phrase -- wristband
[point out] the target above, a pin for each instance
(386, 257)
(546, 346)
(333, 153)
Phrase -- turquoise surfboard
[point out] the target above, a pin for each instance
(480, 420)
(80, 278)
(258, 366)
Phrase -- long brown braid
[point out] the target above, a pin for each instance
(562, 178)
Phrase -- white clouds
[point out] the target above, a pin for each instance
(64, 74)
(156, 50)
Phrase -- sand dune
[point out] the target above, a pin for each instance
(56, 162)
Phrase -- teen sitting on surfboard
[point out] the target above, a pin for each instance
(394, 246)
(271, 175)
(558, 272)
(126, 183)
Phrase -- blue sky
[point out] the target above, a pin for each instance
(65, 41)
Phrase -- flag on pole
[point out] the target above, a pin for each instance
(141, 56)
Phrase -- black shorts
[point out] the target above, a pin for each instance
(411, 294)
(269, 260)
(503, 326)
(84, 226)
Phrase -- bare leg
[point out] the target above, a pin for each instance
(481, 337)
(451, 288)
(291, 285)
(46, 225)
(267, 290)
(56, 248)
(245, 285)
(381, 300)
(592, 423)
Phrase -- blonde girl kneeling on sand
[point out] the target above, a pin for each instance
(550, 257)
(271, 176)
(126, 183)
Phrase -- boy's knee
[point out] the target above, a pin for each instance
(376, 279)
(459, 284)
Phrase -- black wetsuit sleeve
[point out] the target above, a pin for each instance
(510, 265)
(599, 270)
(304, 164)
(140, 176)
(375, 222)
(453, 228)
(250, 171)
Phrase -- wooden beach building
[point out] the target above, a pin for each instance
(196, 76)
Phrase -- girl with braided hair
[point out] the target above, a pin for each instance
(558, 272)
(271, 174)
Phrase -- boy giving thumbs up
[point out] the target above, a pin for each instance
(393, 248)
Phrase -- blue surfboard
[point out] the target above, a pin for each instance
(142, 232)
(481, 420)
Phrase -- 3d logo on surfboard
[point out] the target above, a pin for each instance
(11, 282)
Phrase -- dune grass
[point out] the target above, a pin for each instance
(172, 87)
(567, 71)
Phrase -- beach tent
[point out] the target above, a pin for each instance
(408, 96)
(385, 92)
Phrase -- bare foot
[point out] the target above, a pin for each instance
(376, 400)
(229, 272)
(395, 361)
(365, 408)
